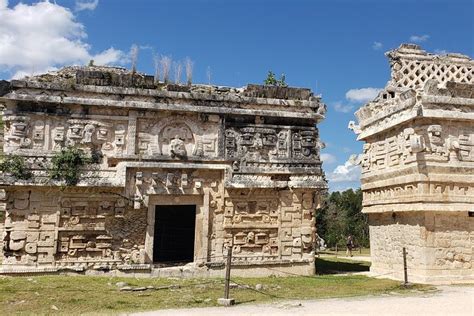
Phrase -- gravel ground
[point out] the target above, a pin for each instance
(449, 300)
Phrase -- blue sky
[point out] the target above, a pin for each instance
(331, 47)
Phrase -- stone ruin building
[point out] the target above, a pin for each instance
(418, 167)
(183, 172)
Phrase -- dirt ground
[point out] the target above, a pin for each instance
(449, 300)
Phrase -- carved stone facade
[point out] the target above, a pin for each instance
(418, 167)
(248, 163)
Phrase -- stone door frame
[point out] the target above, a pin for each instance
(201, 235)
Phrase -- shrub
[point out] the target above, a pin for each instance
(272, 81)
(66, 164)
(16, 166)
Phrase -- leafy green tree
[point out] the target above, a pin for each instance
(341, 216)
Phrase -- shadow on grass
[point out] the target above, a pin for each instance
(336, 266)
(244, 302)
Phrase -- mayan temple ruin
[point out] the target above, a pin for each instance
(418, 167)
(175, 174)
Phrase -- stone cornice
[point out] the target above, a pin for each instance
(420, 207)
(156, 106)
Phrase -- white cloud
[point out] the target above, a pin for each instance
(344, 108)
(355, 96)
(82, 5)
(328, 158)
(109, 56)
(348, 172)
(362, 95)
(419, 38)
(377, 46)
(44, 36)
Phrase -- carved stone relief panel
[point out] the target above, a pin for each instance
(39, 134)
(259, 142)
(424, 143)
(256, 243)
(172, 181)
(178, 137)
(30, 229)
(262, 211)
(46, 227)
(105, 230)
(17, 132)
(420, 191)
(256, 148)
(268, 222)
(96, 135)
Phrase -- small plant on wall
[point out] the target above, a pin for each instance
(272, 81)
(66, 164)
(16, 166)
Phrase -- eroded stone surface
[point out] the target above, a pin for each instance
(249, 163)
(418, 166)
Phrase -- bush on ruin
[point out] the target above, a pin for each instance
(16, 166)
(66, 164)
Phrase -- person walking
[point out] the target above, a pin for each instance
(350, 245)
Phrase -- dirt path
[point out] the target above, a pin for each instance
(450, 300)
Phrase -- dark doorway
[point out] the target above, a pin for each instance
(174, 233)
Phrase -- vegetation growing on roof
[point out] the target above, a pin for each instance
(272, 81)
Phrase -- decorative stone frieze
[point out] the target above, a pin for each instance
(246, 160)
(418, 167)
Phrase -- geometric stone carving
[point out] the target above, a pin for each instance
(417, 165)
(246, 159)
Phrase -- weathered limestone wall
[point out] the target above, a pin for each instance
(418, 165)
(439, 245)
(248, 159)
(277, 225)
(72, 228)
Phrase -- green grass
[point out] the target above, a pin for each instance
(99, 295)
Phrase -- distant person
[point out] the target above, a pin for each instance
(350, 245)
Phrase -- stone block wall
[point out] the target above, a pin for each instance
(76, 228)
(417, 166)
(440, 246)
(248, 160)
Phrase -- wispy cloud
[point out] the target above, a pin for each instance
(377, 46)
(328, 158)
(419, 38)
(343, 108)
(82, 5)
(362, 95)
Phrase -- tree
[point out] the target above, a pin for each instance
(342, 216)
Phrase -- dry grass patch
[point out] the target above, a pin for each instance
(100, 295)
